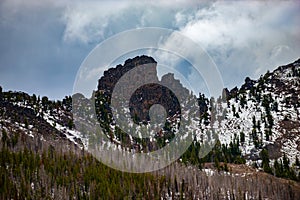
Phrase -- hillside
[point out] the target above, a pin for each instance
(266, 112)
(258, 130)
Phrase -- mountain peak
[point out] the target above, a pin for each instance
(112, 75)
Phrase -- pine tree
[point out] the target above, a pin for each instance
(70, 124)
(26, 122)
(242, 137)
(278, 169)
(4, 137)
(225, 166)
(297, 162)
(265, 161)
(254, 122)
(286, 163)
(255, 138)
(217, 163)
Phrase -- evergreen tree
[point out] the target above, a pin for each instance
(4, 137)
(26, 122)
(70, 124)
(286, 163)
(264, 155)
(217, 163)
(254, 122)
(242, 137)
(297, 162)
(277, 169)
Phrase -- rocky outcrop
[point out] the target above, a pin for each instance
(147, 95)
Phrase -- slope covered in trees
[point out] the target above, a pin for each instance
(29, 171)
(42, 153)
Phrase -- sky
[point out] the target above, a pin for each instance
(44, 43)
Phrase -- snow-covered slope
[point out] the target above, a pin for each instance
(261, 114)
(266, 113)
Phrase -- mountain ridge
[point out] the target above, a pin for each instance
(259, 116)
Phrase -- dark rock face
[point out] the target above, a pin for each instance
(147, 95)
(142, 98)
(111, 76)
(150, 94)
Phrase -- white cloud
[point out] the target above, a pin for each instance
(93, 21)
(245, 37)
(86, 22)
